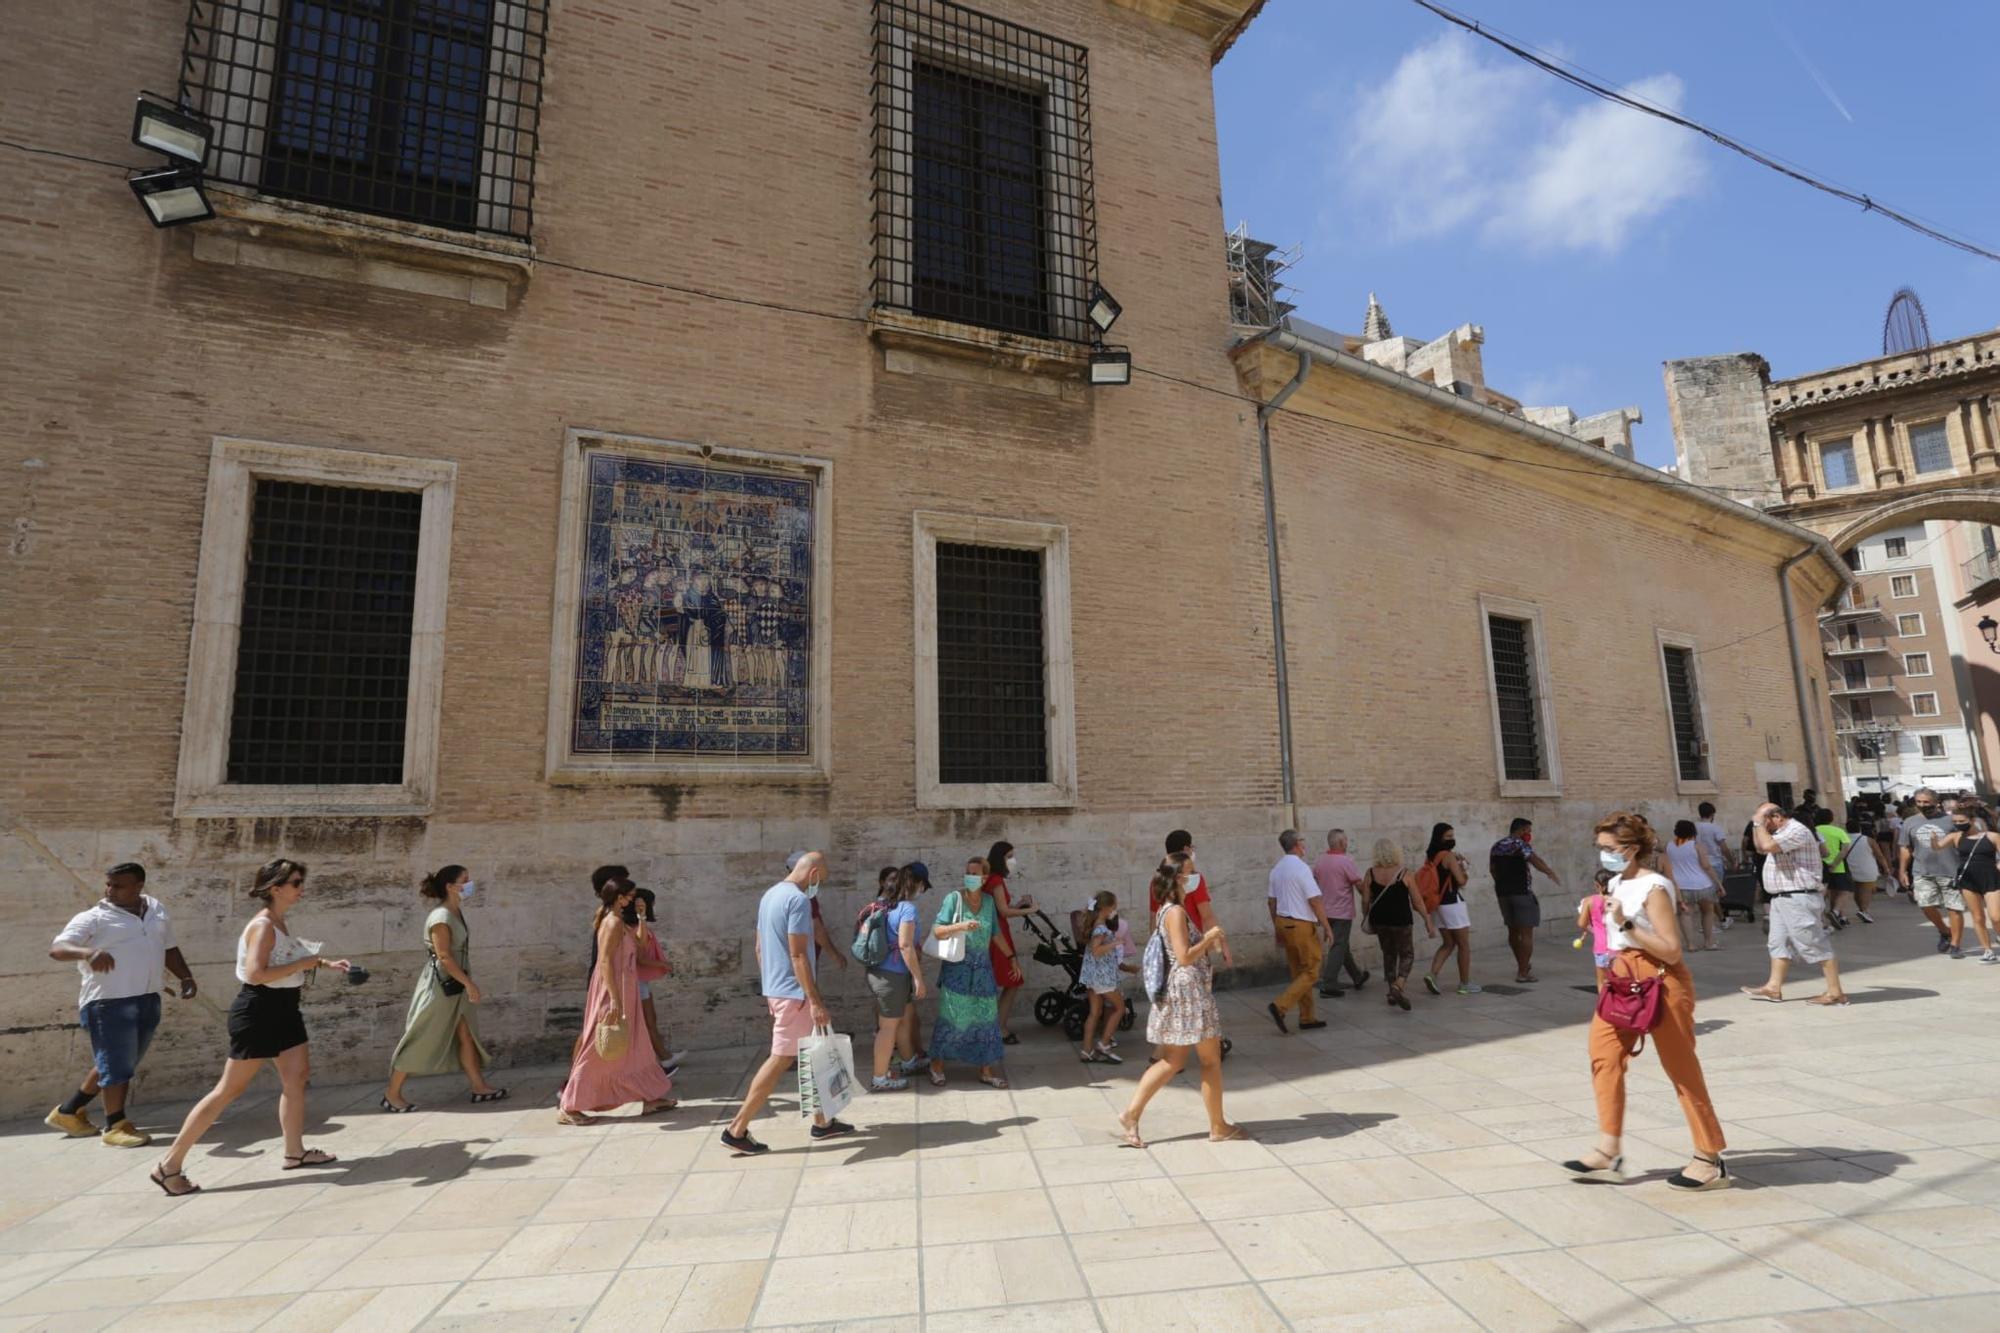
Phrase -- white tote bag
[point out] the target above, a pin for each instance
(951, 949)
(826, 1073)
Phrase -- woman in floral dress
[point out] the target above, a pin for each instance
(968, 1021)
(1186, 1015)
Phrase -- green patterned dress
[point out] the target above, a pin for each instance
(968, 1021)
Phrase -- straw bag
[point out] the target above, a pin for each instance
(613, 1040)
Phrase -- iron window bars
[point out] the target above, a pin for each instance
(982, 177)
(1689, 751)
(323, 657)
(422, 110)
(992, 688)
(1514, 689)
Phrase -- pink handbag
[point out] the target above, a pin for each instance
(1629, 1002)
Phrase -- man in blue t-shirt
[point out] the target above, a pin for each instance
(791, 989)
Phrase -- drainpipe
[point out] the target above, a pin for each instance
(1264, 415)
(1806, 711)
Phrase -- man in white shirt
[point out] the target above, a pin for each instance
(1794, 879)
(1298, 919)
(123, 947)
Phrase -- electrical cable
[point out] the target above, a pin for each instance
(1575, 77)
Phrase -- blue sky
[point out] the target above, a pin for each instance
(1463, 186)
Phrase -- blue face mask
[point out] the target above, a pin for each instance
(1611, 861)
(466, 890)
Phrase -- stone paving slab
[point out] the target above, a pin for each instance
(1404, 1176)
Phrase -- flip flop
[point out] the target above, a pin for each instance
(497, 1095)
(1129, 1132)
(1764, 995)
(404, 1109)
(1828, 1000)
(1236, 1134)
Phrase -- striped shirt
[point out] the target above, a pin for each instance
(1796, 865)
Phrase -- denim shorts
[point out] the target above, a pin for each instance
(120, 1031)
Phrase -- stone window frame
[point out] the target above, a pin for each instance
(1663, 640)
(1069, 235)
(1908, 670)
(1943, 424)
(564, 768)
(928, 528)
(1511, 609)
(1918, 632)
(1925, 694)
(1845, 442)
(201, 786)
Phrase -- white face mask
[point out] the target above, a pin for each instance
(812, 890)
(1012, 865)
(466, 890)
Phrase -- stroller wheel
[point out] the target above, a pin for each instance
(1049, 1007)
(1125, 1023)
(1073, 1024)
(1226, 1045)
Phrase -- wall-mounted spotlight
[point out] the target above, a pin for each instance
(163, 127)
(172, 195)
(1103, 311)
(1111, 365)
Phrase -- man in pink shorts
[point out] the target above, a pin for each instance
(791, 988)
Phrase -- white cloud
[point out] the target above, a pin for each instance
(1453, 139)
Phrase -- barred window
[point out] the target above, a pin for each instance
(423, 110)
(1514, 688)
(992, 707)
(1930, 448)
(323, 657)
(1684, 706)
(983, 205)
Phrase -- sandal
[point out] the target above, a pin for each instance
(1759, 993)
(1235, 1134)
(1720, 1181)
(664, 1104)
(404, 1109)
(496, 1095)
(937, 1078)
(1010, 1040)
(160, 1178)
(1130, 1132)
(1828, 999)
(310, 1157)
(574, 1118)
(994, 1081)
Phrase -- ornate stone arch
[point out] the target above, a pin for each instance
(1980, 504)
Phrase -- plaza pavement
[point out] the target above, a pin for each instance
(1404, 1177)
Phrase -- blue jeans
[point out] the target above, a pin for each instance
(120, 1031)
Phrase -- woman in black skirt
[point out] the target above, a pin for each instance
(264, 1024)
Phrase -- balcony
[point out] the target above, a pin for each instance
(1855, 645)
(1852, 728)
(1853, 608)
(1979, 577)
(1870, 685)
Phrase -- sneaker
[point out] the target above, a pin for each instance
(743, 1145)
(832, 1129)
(1107, 1056)
(77, 1124)
(1108, 1044)
(1361, 980)
(1943, 944)
(888, 1083)
(1331, 992)
(125, 1134)
(1957, 952)
(1869, 920)
(1725, 923)
(912, 1065)
(1989, 957)
(1402, 1002)
(1431, 984)
(1471, 988)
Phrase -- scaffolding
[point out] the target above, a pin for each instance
(1255, 271)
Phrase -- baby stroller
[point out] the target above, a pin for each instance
(1069, 1004)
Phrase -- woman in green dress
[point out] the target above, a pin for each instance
(968, 1021)
(439, 1036)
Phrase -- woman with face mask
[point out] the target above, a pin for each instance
(1000, 863)
(440, 1035)
(1973, 840)
(968, 1018)
(1642, 931)
(617, 1067)
(1454, 919)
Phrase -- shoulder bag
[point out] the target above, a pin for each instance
(950, 949)
(447, 983)
(1629, 1002)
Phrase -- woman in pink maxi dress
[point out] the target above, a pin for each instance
(597, 1085)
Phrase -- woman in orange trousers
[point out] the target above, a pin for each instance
(1643, 932)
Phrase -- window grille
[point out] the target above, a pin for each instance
(992, 690)
(1690, 750)
(1514, 686)
(1930, 449)
(422, 110)
(323, 661)
(982, 185)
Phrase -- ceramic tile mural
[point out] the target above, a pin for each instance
(695, 619)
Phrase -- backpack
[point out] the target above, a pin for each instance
(1154, 966)
(1429, 885)
(871, 934)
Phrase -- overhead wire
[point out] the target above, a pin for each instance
(1576, 77)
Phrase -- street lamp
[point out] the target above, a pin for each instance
(1989, 629)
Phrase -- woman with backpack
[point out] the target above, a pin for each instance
(1643, 932)
(885, 943)
(1441, 883)
(1389, 912)
(1180, 980)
